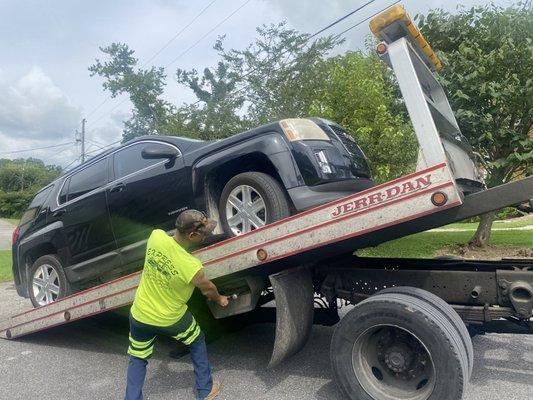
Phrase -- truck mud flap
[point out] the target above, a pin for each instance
(294, 294)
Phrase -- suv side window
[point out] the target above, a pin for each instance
(130, 160)
(35, 206)
(88, 179)
(64, 192)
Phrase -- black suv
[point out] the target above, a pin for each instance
(91, 224)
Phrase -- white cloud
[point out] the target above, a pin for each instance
(58, 156)
(67, 155)
(101, 136)
(35, 113)
(34, 107)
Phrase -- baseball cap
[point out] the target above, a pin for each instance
(194, 220)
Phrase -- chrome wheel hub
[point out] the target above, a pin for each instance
(245, 210)
(45, 284)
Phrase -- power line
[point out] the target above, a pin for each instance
(340, 19)
(181, 54)
(157, 52)
(178, 34)
(207, 33)
(366, 19)
(105, 147)
(96, 144)
(97, 107)
(36, 148)
(89, 152)
(70, 163)
(312, 36)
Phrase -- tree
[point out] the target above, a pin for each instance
(358, 94)
(144, 87)
(26, 174)
(487, 57)
(281, 72)
(277, 76)
(19, 180)
(218, 117)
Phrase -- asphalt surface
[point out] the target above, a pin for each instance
(6, 231)
(86, 360)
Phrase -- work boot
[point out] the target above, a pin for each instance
(215, 390)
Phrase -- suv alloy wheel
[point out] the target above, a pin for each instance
(47, 281)
(251, 200)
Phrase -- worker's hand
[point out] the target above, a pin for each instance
(223, 301)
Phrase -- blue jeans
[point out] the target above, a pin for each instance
(142, 333)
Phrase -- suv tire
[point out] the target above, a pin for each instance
(253, 199)
(47, 281)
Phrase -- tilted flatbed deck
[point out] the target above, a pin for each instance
(394, 209)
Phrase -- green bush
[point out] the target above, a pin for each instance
(504, 213)
(13, 204)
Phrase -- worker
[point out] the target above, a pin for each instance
(168, 279)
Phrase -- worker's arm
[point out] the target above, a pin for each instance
(208, 288)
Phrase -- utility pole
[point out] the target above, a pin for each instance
(83, 140)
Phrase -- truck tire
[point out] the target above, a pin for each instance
(397, 346)
(47, 281)
(251, 200)
(445, 309)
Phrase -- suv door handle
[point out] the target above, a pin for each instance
(58, 213)
(119, 187)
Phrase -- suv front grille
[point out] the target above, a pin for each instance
(358, 157)
(347, 140)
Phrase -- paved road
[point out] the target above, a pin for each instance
(86, 360)
(6, 231)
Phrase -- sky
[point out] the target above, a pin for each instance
(46, 48)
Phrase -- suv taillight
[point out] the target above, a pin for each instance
(15, 236)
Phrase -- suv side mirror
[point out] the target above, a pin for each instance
(155, 152)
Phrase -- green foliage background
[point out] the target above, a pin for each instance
(20, 179)
(487, 52)
(358, 95)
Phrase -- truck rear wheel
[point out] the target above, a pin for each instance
(446, 310)
(398, 347)
(251, 200)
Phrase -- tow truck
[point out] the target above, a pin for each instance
(406, 336)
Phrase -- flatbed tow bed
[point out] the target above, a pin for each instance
(407, 341)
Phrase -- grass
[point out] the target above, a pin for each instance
(5, 266)
(497, 224)
(426, 244)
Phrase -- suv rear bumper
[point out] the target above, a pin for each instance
(304, 197)
(18, 280)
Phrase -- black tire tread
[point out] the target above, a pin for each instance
(438, 322)
(446, 310)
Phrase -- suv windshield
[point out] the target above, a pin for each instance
(35, 206)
